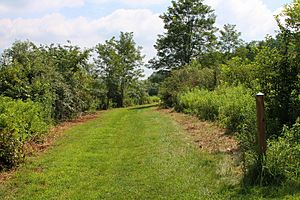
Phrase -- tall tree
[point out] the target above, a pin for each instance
(189, 26)
(119, 63)
(229, 39)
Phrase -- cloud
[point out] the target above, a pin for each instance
(23, 6)
(252, 17)
(55, 28)
(131, 2)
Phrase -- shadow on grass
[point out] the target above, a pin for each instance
(266, 192)
(143, 107)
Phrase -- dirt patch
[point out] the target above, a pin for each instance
(32, 148)
(207, 135)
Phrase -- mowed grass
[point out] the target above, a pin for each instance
(134, 153)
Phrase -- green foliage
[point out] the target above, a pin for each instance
(191, 76)
(189, 26)
(72, 85)
(239, 70)
(136, 94)
(279, 73)
(155, 80)
(201, 103)
(233, 107)
(20, 121)
(229, 39)
(58, 77)
(119, 63)
(283, 156)
(153, 99)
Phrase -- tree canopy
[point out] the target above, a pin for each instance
(119, 63)
(190, 29)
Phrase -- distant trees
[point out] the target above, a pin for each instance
(119, 63)
(229, 39)
(189, 33)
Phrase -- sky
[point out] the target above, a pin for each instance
(89, 22)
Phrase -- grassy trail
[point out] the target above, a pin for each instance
(124, 154)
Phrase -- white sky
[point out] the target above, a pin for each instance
(89, 22)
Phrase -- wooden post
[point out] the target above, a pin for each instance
(261, 124)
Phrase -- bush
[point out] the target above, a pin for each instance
(237, 108)
(20, 122)
(182, 80)
(232, 107)
(283, 155)
(202, 103)
(153, 99)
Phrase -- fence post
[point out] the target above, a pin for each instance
(261, 124)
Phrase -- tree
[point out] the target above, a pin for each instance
(229, 39)
(119, 63)
(280, 71)
(155, 80)
(189, 26)
(58, 77)
(73, 82)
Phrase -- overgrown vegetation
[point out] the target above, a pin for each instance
(199, 70)
(20, 122)
(45, 85)
(217, 81)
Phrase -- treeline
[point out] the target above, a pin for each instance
(215, 75)
(43, 85)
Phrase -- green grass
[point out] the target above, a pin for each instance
(134, 153)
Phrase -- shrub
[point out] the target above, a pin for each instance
(237, 108)
(182, 80)
(153, 99)
(232, 107)
(202, 103)
(283, 155)
(20, 122)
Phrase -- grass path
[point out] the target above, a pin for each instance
(124, 154)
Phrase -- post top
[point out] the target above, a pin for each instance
(260, 94)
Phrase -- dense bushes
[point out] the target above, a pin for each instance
(192, 75)
(19, 121)
(283, 155)
(60, 81)
(58, 77)
(233, 107)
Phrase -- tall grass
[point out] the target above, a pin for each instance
(234, 109)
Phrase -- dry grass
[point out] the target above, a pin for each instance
(207, 135)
